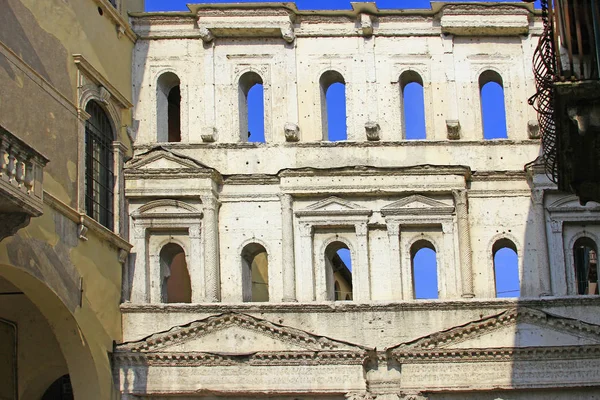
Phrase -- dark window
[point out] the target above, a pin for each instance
(424, 268)
(333, 106)
(168, 108)
(176, 284)
(586, 266)
(59, 390)
(99, 178)
(506, 269)
(413, 105)
(255, 273)
(493, 110)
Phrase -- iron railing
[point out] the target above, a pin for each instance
(568, 51)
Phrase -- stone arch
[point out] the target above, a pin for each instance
(336, 271)
(491, 94)
(425, 277)
(585, 265)
(417, 117)
(95, 93)
(506, 267)
(254, 260)
(175, 277)
(247, 80)
(168, 107)
(328, 78)
(87, 361)
(167, 203)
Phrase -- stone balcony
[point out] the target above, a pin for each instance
(21, 183)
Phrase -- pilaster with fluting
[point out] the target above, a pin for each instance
(287, 248)
(542, 262)
(211, 249)
(464, 242)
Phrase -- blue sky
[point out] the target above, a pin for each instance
(180, 5)
(494, 126)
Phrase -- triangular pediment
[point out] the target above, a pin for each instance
(160, 158)
(514, 328)
(234, 333)
(571, 203)
(334, 206)
(417, 203)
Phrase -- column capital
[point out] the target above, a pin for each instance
(361, 229)
(393, 228)
(557, 225)
(306, 229)
(460, 196)
(537, 196)
(210, 202)
(447, 227)
(139, 231)
(194, 231)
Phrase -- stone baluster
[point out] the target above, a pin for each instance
(539, 215)
(287, 250)
(211, 249)
(464, 242)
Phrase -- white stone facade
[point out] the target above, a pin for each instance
(213, 194)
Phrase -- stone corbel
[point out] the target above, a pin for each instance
(205, 34)
(288, 34)
(82, 230)
(372, 128)
(533, 129)
(104, 94)
(120, 31)
(292, 132)
(453, 128)
(123, 256)
(209, 134)
(366, 25)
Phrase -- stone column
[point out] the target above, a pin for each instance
(361, 280)
(140, 281)
(559, 271)
(195, 264)
(287, 248)
(539, 218)
(304, 273)
(393, 231)
(211, 249)
(464, 242)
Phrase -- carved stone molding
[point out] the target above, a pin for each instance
(366, 24)
(292, 132)
(359, 396)
(205, 34)
(533, 129)
(556, 225)
(209, 134)
(372, 128)
(453, 129)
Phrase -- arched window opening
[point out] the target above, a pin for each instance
(338, 271)
(255, 273)
(8, 360)
(333, 106)
(176, 284)
(493, 110)
(506, 269)
(586, 266)
(252, 108)
(168, 104)
(424, 270)
(60, 389)
(99, 178)
(413, 105)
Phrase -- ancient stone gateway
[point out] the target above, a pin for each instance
(274, 310)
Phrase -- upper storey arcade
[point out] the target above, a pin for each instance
(193, 71)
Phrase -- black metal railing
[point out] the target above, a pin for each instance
(568, 51)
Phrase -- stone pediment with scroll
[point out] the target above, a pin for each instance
(239, 336)
(160, 158)
(333, 206)
(571, 204)
(517, 328)
(417, 204)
